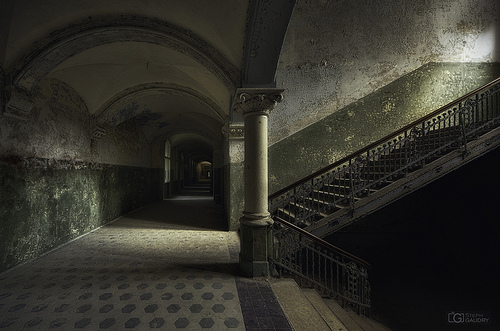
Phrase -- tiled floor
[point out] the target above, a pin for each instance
(161, 267)
(260, 308)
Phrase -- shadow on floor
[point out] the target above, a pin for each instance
(192, 208)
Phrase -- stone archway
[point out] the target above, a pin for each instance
(68, 42)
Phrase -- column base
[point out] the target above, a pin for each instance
(256, 220)
(254, 268)
(256, 236)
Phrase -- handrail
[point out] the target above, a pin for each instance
(380, 141)
(323, 242)
(319, 196)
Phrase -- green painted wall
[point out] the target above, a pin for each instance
(47, 202)
(373, 117)
(57, 183)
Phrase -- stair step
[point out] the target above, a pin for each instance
(361, 321)
(325, 205)
(337, 201)
(306, 310)
(343, 315)
(299, 311)
(353, 321)
(377, 325)
(339, 187)
(326, 313)
(289, 215)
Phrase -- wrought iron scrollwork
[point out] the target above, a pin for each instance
(358, 169)
(467, 112)
(412, 145)
(442, 131)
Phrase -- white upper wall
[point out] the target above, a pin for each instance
(337, 52)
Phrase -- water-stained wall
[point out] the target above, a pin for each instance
(354, 70)
(337, 52)
(233, 190)
(373, 117)
(57, 183)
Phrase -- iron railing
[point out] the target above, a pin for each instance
(356, 176)
(316, 263)
(335, 272)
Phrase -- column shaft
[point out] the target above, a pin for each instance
(255, 225)
(256, 180)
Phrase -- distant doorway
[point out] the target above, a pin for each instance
(204, 171)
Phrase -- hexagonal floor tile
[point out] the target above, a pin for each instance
(196, 308)
(181, 323)
(206, 323)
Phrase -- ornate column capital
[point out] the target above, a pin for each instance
(256, 100)
(236, 131)
(18, 103)
(97, 130)
(233, 131)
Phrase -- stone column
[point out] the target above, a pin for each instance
(255, 225)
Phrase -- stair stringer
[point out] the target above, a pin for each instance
(406, 185)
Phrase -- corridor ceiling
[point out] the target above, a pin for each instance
(171, 65)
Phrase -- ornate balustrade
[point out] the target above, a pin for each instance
(335, 272)
(341, 184)
(316, 263)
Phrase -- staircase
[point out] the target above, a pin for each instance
(366, 181)
(393, 166)
(305, 309)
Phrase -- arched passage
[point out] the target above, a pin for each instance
(190, 161)
(97, 87)
(204, 171)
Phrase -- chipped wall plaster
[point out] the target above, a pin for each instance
(337, 52)
(373, 117)
(57, 183)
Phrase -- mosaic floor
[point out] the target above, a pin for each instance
(148, 270)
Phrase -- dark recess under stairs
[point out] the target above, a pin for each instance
(434, 251)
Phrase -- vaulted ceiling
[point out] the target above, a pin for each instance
(171, 65)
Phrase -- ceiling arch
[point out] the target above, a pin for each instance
(266, 29)
(162, 64)
(192, 128)
(108, 113)
(67, 43)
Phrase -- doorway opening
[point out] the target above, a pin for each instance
(204, 171)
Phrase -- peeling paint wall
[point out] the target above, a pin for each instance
(373, 117)
(56, 183)
(58, 126)
(339, 58)
(47, 202)
(234, 168)
(124, 144)
(337, 52)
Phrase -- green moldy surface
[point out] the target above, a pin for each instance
(373, 117)
(47, 202)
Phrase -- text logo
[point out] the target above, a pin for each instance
(462, 317)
